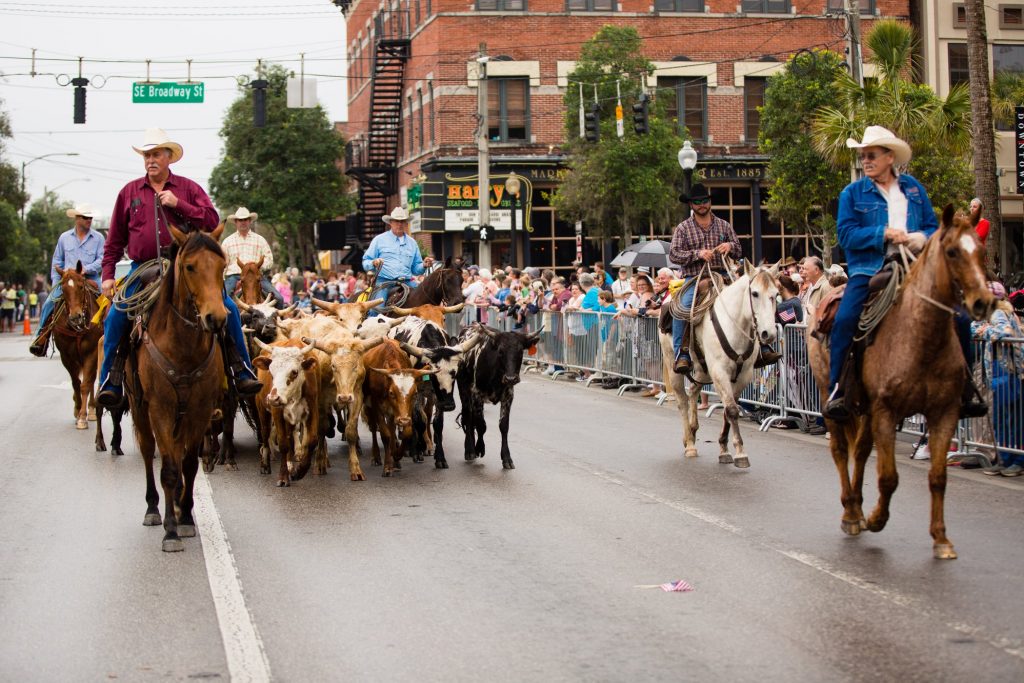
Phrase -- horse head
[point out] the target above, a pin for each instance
(762, 288)
(450, 285)
(964, 257)
(249, 281)
(79, 294)
(199, 276)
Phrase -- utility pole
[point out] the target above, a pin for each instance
(856, 54)
(484, 158)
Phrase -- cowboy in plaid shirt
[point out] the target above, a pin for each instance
(248, 247)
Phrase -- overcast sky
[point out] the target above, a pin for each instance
(228, 35)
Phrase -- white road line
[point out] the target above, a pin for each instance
(247, 660)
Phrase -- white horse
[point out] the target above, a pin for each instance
(744, 315)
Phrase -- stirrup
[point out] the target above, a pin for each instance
(767, 356)
(971, 402)
(682, 364)
(835, 408)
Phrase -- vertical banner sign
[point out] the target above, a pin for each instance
(579, 242)
(1019, 133)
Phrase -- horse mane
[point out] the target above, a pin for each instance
(196, 241)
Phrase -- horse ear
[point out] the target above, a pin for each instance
(78, 267)
(448, 262)
(774, 270)
(747, 268)
(947, 217)
(259, 264)
(178, 235)
(240, 264)
(215, 235)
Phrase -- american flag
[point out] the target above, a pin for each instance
(679, 586)
(787, 316)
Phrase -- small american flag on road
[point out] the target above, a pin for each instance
(676, 587)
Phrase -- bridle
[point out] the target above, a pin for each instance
(739, 358)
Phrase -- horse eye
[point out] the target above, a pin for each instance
(952, 252)
(190, 268)
(754, 294)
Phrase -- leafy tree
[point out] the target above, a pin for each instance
(937, 129)
(45, 221)
(10, 177)
(617, 184)
(803, 183)
(288, 171)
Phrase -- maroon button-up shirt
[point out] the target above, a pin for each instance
(689, 239)
(133, 224)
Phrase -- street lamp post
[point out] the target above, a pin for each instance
(26, 163)
(66, 182)
(687, 161)
(512, 186)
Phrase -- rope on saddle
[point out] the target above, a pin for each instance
(877, 308)
(140, 302)
(697, 309)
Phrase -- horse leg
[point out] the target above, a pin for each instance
(690, 423)
(189, 468)
(147, 444)
(506, 408)
(941, 430)
(841, 445)
(89, 372)
(78, 390)
(170, 480)
(883, 426)
(861, 446)
(115, 440)
(101, 444)
(227, 454)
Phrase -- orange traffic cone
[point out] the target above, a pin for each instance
(27, 329)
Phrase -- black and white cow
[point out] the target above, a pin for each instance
(489, 373)
(430, 345)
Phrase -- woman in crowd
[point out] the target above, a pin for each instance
(981, 225)
(790, 309)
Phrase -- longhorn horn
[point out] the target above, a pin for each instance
(326, 305)
(396, 321)
(368, 344)
(367, 305)
(311, 344)
(401, 311)
(248, 330)
(493, 334)
(270, 297)
(455, 309)
(265, 347)
(241, 304)
(411, 350)
(470, 343)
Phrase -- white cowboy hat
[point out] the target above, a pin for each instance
(399, 214)
(876, 136)
(83, 210)
(242, 214)
(155, 138)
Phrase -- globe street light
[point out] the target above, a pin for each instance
(687, 161)
(512, 186)
(26, 163)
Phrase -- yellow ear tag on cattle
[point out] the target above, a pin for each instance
(533, 350)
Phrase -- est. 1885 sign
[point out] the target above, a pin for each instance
(167, 93)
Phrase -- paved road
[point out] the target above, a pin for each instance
(479, 574)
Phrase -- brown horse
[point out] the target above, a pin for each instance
(78, 340)
(178, 376)
(249, 282)
(915, 365)
(443, 287)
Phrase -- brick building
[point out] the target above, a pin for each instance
(413, 82)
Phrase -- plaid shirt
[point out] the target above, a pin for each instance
(689, 239)
(246, 249)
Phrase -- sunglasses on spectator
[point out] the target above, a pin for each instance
(701, 201)
(871, 156)
(86, 218)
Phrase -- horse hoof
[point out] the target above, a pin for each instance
(386, 473)
(851, 528)
(357, 476)
(231, 467)
(508, 465)
(172, 545)
(151, 519)
(116, 450)
(441, 464)
(690, 453)
(944, 551)
(81, 424)
(282, 483)
(101, 447)
(264, 469)
(742, 462)
(186, 530)
(92, 415)
(725, 459)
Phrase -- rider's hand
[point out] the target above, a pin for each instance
(706, 254)
(429, 261)
(377, 263)
(108, 288)
(167, 198)
(723, 248)
(895, 236)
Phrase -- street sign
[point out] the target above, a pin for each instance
(167, 93)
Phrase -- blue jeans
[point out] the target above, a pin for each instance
(49, 305)
(231, 282)
(678, 326)
(117, 325)
(1006, 420)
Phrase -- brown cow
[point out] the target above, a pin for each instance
(389, 392)
(350, 315)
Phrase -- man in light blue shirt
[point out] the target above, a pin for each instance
(79, 244)
(394, 255)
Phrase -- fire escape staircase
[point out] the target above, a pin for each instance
(373, 161)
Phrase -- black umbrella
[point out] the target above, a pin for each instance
(650, 254)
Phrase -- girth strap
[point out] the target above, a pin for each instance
(727, 347)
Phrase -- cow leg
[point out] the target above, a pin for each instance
(467, 399)
(387, 432)
(439, 460)
(263, 424)
(420, 426)
(506, 408)
(189, 468)
(481, 427)
(883, 425)
(284, 443)
(355, 471)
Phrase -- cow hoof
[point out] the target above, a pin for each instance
(357, 476)
(851, 528)
(329, 433)
(81, 424)
(441, 464)
(944, 551)
(742, 462)
(172, 545)
(690, 452)
(508, 465)
(282, 483)
(151, 519)
(725, 459)
(231, 467)
(116, 450)
(386, 473)
(264, 469)
(101, 447)
(186, 530)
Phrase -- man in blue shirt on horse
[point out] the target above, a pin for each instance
(80, 243)
(394, 255)
(880, 211)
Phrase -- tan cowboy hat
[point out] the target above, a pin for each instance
(83, 210)
(242, 214)
(399, 214)
(876, 136)
(155, 138)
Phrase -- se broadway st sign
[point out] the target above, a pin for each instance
(167, 93)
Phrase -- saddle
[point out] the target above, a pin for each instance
(825, 316)
(705, 293)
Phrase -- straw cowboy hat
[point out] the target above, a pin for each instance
(399, 214)
(83, 210)
(155, 138)
(876, 136)
(242, 214)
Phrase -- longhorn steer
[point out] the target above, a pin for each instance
(289, 398)
(490, 373)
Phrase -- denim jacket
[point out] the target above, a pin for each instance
(864, 215)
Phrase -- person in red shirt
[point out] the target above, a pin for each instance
(981, 225)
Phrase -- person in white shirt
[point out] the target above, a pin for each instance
(621, 288)
(247, 246)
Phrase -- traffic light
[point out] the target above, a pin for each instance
(79, 84)
(641, 112)
(259, 102)
(592, 123)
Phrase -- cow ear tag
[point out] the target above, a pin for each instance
(533, 350)
(426, 378)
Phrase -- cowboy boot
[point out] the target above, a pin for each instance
(683, 362)
(835, 406)
(767, 356)
(111, 394)
(971, 403)
(41, 342)
(243, 378)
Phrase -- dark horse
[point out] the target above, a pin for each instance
(178, 376)
(443, 287)
(914, 365)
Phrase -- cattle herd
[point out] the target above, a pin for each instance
(322, 372)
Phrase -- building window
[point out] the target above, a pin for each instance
(678, 5)
(866, 6)
(433, 113)
(766, 6)
(1008, 58)
(508, 109)
(1011, 16)
(753, 97)
(959, 15)
(417, 13)
(411, 147)
(590, 5)
(958, 67)
(686, 103)
(419, 96)
(501, 5)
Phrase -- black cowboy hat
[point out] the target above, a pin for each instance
(698, 191)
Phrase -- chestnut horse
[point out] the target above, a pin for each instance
(77, 338)
(178, 374)
(915, 365)
(249, 282)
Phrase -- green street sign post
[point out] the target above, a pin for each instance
(168, 93)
